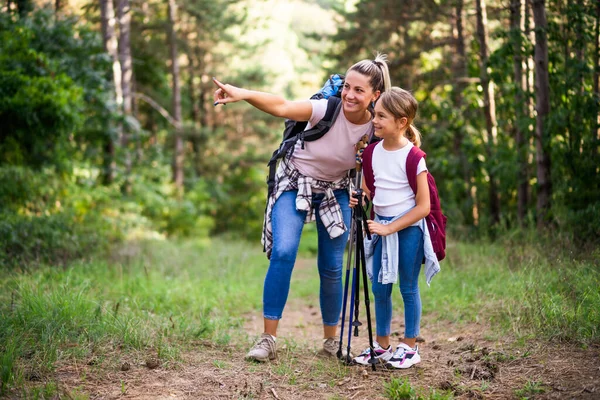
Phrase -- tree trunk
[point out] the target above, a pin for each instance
(24, 7)
(460, 71)
(124, 16)
(542, 139)
(489, 109)
(580, 45)
(517, 28)
(107, 22)
(596, 131)
(195, 109)
(178, 150)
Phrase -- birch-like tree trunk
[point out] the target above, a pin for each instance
(178, 148)
(517, 30)
(124, 16)
(109, 38)
(542, 138)
(489, 109)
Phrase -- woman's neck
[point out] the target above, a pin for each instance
(395, 143)
(359, 118)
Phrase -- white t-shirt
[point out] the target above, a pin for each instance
(393, 194)
(330, 157)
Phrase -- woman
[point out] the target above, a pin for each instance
(312, 184)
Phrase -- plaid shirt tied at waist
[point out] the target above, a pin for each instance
(289, 178)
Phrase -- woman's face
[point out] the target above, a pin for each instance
(357, 93)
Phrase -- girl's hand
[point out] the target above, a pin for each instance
(227, 93)
(379, 229)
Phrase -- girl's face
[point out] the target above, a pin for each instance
(357, 93)
(386, 125)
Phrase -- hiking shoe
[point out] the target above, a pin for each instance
(381, 355)
(404, 357)
(332, 345)
(265, 349)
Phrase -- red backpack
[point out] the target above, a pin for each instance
(436, 220)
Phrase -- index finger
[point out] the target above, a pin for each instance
(219, 84)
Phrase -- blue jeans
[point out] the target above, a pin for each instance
(409, 266)
(287, 224)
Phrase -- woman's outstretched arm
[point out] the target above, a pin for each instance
(269, 103)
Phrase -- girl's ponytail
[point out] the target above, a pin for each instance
(413, 134)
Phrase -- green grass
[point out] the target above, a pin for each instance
(520, 288)
(166, 295)
(401, 389)
(530, 390)
(157, 298)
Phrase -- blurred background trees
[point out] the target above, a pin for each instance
(108, 130)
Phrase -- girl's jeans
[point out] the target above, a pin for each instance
(409, 265)
(287, 224)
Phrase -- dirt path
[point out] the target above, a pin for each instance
(455, 357)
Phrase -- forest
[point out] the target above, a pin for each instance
(108, 128)
(109, 139)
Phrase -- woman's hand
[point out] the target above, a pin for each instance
(227, 93)
(354, 199)
(379, 229)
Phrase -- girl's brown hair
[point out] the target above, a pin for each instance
(402, 104)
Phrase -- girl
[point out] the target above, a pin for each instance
(312, 184)
(400, 236)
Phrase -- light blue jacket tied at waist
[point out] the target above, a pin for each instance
(389, 253)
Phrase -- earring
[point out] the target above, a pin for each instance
(373, 104)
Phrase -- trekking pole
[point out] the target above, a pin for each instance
(346, 286)
(363, 263)
(353, 293)
(356, 323)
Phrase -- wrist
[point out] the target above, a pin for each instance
(246, 94)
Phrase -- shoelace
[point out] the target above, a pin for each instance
(399, 352)
(267, 344)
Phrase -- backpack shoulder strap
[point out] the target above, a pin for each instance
(334, 106)
(367, 165)
(412, 162)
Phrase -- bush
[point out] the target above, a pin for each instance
(48, 239)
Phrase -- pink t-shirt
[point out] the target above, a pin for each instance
(330, 157)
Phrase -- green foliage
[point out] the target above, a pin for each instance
(48, 239)
(530, 390)
(240, 202)
(53, 85)
(399, 389)
(451, 105)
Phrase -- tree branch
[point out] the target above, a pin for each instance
(158, 108)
